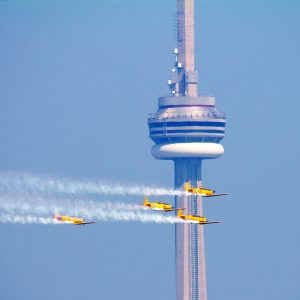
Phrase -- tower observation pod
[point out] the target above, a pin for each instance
(187, 128)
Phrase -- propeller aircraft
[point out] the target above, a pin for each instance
(194, 219)
(201, 191)
(72, 220)
(159, 205)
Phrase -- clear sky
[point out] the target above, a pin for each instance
(77, 80)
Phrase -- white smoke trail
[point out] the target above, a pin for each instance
(26, 183)
(26, 219)
(29, 210)
(45, 205)
(114, 215)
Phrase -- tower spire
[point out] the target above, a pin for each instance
(187, 75)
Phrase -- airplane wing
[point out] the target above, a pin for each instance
(210, 222)
(174, 209)
(86, 223)
(201, 194)
(216, 195)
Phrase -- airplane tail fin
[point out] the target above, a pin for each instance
(187, 185)
(179, 213)
(146, 201)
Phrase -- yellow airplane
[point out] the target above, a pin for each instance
(201, 191)
(159, 205)
(72, 220)
(194, 219)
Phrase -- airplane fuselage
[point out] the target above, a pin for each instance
(71, 220)
(194, 219)
(68, 219)
(201, 191)
(159, 206)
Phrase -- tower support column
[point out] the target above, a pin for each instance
(189, 238)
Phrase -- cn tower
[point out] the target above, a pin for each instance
(187, 128)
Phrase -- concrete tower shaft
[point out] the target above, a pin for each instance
(189, 238)
(187, 128)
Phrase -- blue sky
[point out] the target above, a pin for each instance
(77, 80)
